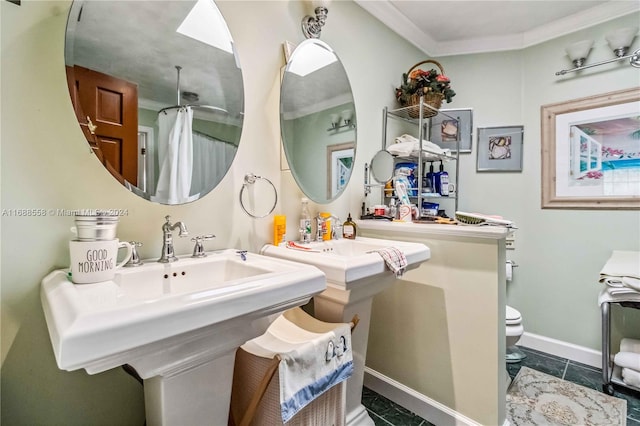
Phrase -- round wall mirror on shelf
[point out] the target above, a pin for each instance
(157, 90)
(318, 121)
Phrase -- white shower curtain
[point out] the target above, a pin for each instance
(211, 160)
(175, 154)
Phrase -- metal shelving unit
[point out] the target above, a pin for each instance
(423, 123)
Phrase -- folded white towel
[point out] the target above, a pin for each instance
(311, 363)
(631, 377)
(622, 264)
(630, 345)
(627, 360)
(611, 281)
(407, 145)
(395, 260)
(618, 294)
(631, 282)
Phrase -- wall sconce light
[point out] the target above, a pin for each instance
(312, 26)
(342, 120)
(619, 41)
(579, 51)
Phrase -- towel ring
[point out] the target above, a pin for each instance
(250, 179)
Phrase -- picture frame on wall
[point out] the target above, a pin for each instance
(591, 152)
(451, 124)
(500, 149)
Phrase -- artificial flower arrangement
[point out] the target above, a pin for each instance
(434, 85)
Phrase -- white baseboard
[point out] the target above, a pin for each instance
(427, 408)
(562, 349)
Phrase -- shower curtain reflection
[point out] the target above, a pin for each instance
(211, 159)
(175, 154)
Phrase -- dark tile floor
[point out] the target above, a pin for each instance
(385, 412)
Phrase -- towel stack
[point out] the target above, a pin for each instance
(629, 360)
(621, 276)
(407, 145)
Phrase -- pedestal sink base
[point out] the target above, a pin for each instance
(338, 305)
(359, 417)
(355, 273)
(195, 397)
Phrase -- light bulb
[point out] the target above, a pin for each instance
(579, 51)
(620, 39)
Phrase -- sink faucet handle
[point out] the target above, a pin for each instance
(243, 254)
(134, 260)
(198, 248)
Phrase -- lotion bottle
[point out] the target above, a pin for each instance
(442, 181)
(279, 229)
(349, 229)
(429, 181)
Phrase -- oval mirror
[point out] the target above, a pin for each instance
(382, 166)
(318, 121)
(157, 90)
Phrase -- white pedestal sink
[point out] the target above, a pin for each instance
(178, 324)
(355, 273)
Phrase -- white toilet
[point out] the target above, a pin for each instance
(513, 333)
(514, 324)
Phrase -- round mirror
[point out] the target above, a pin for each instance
(382, 166)
(318, 121)
(157, 90)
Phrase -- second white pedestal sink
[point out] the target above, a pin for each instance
(355, 273)
(178, 324)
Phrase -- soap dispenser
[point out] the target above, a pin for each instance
(442, 181)
(429, 179)
(349, 228)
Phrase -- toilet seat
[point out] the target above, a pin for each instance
(513, 316)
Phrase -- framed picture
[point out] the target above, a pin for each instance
(339, 162)
(500, 149)
(450, 125)
(591, 152)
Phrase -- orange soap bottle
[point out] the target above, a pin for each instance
(279, 229)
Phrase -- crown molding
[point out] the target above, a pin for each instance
(384, 11)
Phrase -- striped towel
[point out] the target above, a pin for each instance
(395, 260)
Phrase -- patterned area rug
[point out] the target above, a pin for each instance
(535, 398)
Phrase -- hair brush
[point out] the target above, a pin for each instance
(480, 219)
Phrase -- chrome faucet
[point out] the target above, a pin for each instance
(167, 239)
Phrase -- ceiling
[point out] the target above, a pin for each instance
(446, 27)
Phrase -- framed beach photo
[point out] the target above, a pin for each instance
(500, 149)
(591, 152)
(451, 124)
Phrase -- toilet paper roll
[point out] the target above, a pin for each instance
(509, 271)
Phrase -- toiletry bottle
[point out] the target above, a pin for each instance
(279, 229)
(349, 228)
(393, 209)
(442, 181)
(305, 222)
(324, 226)
(429, 179)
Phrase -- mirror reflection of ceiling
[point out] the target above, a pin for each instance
(327, 83)
(318, 121)
(141, 55)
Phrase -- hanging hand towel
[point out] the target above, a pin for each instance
(630, 345)
(395, 260)
(627, 360)
(311, 363)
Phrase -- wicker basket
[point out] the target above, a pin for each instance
(434, 100)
